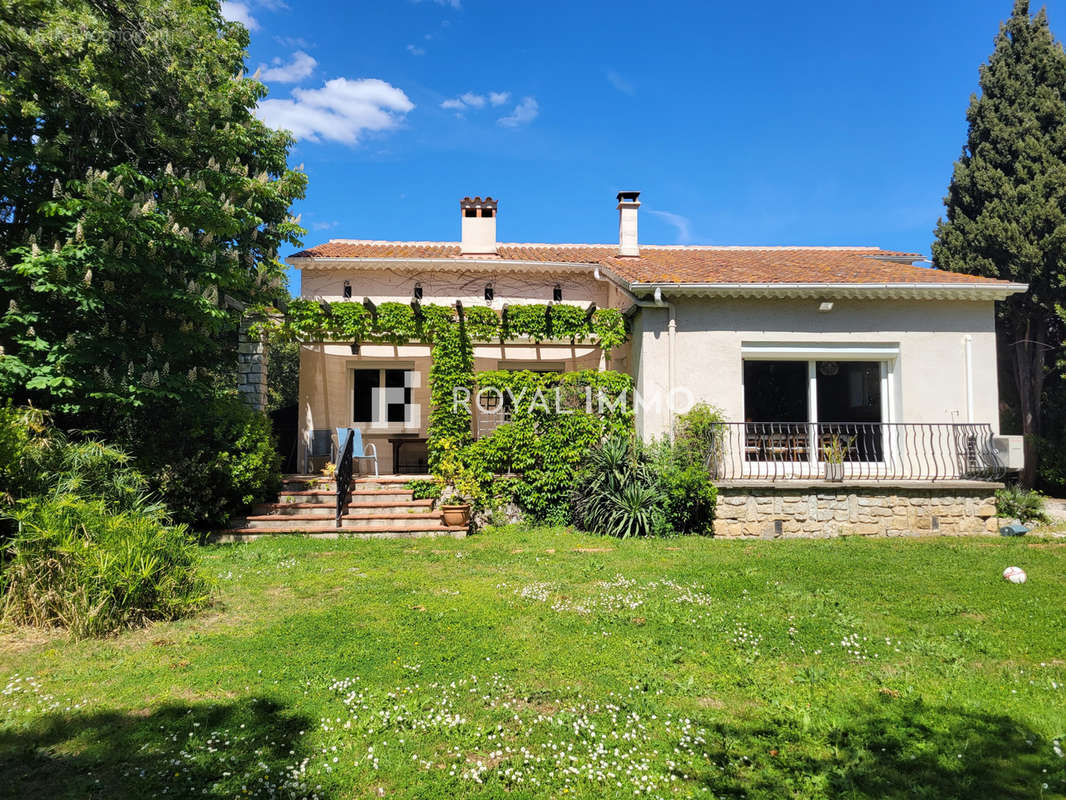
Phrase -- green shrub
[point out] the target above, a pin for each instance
(424, 489)
(81, 565)
(40, 460)
(18, 428)
(550, 433)
(1026, 505)
(210, 462)
(689, 499)
(698, 435)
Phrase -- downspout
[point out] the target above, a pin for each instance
(967, 343)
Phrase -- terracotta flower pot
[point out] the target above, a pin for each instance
(456, 514)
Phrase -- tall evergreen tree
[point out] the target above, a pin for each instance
(1006, 206)
(137, 191)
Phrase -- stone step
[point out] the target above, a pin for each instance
(234, 535)
(360, 520)
(305, 482)
(358, 496)
(378, 507)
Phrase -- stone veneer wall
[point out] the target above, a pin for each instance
(827, 510)
(252, 356)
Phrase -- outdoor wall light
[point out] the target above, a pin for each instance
(347, 289)
(557, 293)
(826, 307)
(489, 293)
(418, 291)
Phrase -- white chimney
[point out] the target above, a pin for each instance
(627, 223)
(479, 226)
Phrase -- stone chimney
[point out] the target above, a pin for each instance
(479, 226)
(627, 223)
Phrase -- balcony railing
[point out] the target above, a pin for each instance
(873, 451)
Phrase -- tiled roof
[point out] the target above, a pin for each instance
(684, 265)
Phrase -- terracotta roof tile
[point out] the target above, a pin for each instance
(713, 265)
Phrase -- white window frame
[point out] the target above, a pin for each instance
(379, 424)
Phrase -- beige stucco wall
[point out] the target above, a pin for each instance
(445, 287)
(928, 376)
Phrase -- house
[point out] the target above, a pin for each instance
(839, 362)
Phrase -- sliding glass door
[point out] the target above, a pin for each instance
(808, 411)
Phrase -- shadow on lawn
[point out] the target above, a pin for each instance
(900, 750)
(197, 750)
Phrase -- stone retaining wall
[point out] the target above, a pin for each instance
(827, 510)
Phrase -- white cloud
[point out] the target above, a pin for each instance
(471, 100)
(524, 113)
(456, 4)
(340, 111)
(239, 12)
(683, 224)
(415, 51)
(619, 83)
(324, 226)
(301, 66)
(291, 42)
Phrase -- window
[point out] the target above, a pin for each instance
(382, 395)
(797, 407)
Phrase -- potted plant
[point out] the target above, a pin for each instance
(833, 450)
(461, 491)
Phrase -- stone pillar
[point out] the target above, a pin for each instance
(252, 357)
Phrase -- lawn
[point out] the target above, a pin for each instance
(544, 663)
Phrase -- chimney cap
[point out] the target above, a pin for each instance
(477, 202)
(628, 197)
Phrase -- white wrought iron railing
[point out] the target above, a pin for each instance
(875, 451)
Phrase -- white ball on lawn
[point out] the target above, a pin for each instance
(1014, 574)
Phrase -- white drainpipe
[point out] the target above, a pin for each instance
(967, 343)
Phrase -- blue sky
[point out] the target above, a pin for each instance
(777, 123)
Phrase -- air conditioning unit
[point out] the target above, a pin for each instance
(1010, 451)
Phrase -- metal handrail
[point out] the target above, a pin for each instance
(868, 451)
(343, 475)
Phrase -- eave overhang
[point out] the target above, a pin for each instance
(834, 291)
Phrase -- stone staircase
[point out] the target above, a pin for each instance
(378, 507)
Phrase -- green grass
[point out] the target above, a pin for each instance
(543, 663)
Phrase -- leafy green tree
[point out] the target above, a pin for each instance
(139, 196)
(1006, 205)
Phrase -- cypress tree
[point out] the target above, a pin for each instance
(1006, 205)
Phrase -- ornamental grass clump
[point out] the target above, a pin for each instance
(79, 564)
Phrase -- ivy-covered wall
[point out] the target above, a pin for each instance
(312, 321)
(544, 442)
(555, 419)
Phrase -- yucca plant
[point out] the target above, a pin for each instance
(616, 493)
